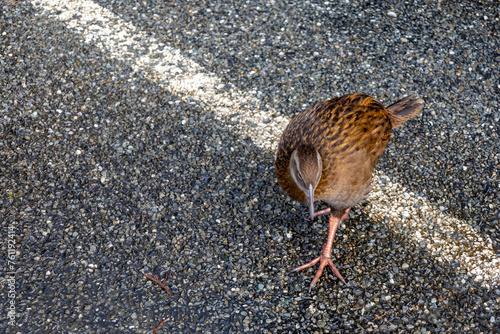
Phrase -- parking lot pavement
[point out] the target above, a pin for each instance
(138, 138)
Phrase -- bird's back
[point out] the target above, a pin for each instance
(350, 133)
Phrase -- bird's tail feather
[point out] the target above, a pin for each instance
(404, 109)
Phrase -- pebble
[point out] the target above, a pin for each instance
(391, 14)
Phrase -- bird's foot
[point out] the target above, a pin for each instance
(326, 255)
(323, 261)
(319, 213)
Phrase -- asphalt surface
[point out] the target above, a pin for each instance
(138, 138)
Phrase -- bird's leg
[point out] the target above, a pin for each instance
(325, 257)
(321, 212)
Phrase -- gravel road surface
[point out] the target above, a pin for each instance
(138, 137)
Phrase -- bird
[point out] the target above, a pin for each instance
(328, 152)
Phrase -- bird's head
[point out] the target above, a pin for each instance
(305, 168)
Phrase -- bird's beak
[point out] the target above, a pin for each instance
(310, 201)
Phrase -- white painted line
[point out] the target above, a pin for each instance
(423, 222)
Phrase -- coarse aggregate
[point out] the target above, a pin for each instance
(137, 137)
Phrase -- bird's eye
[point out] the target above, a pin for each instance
(299, 175)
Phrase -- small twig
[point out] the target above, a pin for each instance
(159, 325)
(164, 287)
(378, 217)
(380, 316)
(12, 3)
(157, 281)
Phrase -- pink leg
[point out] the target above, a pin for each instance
(325, 257)
(321, 212)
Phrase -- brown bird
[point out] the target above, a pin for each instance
(328, 152)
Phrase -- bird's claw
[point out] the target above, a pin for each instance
(323, 261)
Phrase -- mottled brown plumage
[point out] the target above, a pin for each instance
(349, 133)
